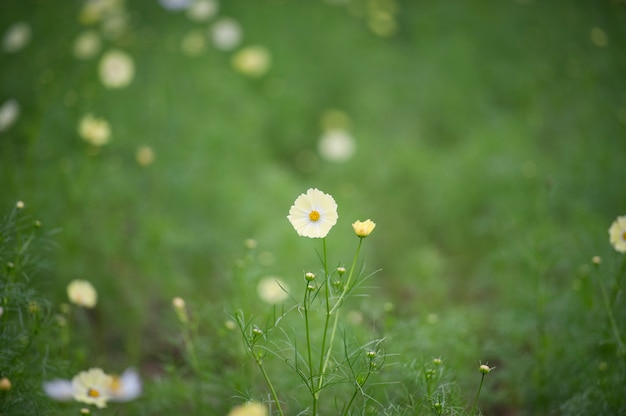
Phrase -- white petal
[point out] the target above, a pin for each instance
(59, 389)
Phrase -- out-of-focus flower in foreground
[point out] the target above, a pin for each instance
(249, 409)
(17, 37)
(617, 234)
(313, 214)
(82, 293)
(87, 45)
(116, 69)
(226, 34)
(95, 131)
(252, 61)
(272, 290)
(9, 112)
(96, 387)
(363, 228)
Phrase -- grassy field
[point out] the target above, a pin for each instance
(487, 141)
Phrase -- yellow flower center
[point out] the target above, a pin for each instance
(93, 393)
(314, 216)
(623, 235)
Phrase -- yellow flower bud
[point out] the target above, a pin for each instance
(363, 228)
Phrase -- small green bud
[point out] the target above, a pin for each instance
(437, 361)
(485, 369)
(309, 276)
(371, 354)
(341, 270)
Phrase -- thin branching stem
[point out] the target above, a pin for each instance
(480, 386)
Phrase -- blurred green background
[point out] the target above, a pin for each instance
(489, 147)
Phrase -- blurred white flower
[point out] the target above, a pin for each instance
(249, 409)
(272, 290)
(95, 131)
(313, 214)
(116, 69)
(9, 112)
(96, 387)
(336, 145)
(202, 10)
(16, 37)
(226, 34)
(253, 61)
(87, 45)
(175, 4)
(82, 293)
(617, 234)
(193, 43)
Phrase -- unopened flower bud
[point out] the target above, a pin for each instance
(437, 361)
(370, 354)
(19, 205)
(341, 270)
(309, 276)
(5, 384)
(310, 287)
(596, 260)
(485, 369)
(363, 228)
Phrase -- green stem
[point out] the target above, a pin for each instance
(269, 383)
(308, 339)
(337, 305)
(325, 334)
(477, 394)
(609, 311)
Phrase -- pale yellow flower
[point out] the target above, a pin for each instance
(87, 45)
(92, 387)
(116, 69)
(202, 10)
(313, 214)
(249, 409)
(252, 61)
(94, 130)
(82, 293)
(17, 37)
(363, 228)
(145, 156)
(272, 290)
(617, 234)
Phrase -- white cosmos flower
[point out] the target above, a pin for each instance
(313, 214)
(617, 234)
(17, 37)
(87, 45)
(249, 409)
(9, 112)
(96, 387)
(272, 290)
(226, 34)
(117, 69)
(336, 145)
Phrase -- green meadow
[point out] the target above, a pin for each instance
(154, 149)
